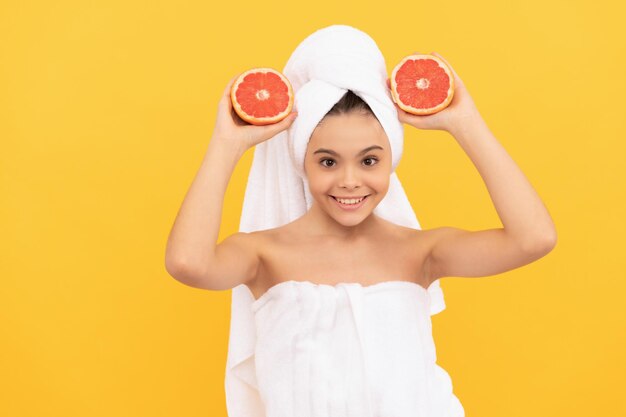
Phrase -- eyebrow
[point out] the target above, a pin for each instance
(330, 151)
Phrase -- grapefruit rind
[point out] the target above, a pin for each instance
(422, 111)
(261, 121)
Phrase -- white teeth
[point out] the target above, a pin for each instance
(349, 201)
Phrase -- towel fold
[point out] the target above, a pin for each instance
(322, 69)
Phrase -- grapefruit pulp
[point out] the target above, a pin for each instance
(262, 96)
(422, 84)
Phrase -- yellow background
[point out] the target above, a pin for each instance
(106, 110)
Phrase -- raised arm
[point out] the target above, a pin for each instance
(191, 251)
(193, 256)
(528, 232)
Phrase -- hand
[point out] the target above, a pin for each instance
(229, 127)
(460, 108)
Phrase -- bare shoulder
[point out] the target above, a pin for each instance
(258, 242)
(418, 245)
(417, 236)
(253, 244)
(236, 261)
(269, 246)
(244, 241)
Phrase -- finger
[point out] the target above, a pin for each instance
(264, 133)
(447, 63)
(275, 128)
(417, 121)
(225, 100)
(283, 124)
(414, 120)
(402, 115)
(442, 58)
(229, 86)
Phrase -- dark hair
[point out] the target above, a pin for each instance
(349, 103)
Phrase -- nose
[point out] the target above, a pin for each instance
(350, 178)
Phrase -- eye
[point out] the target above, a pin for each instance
(373, 161)
(371, 158)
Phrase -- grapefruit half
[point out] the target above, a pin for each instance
(262, 96)
(422, 84)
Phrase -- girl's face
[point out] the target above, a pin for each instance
(348, 157)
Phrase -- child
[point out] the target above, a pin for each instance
(342, 297)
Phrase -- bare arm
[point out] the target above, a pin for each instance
(528, 232)
(192, 255)
(521, 210)
(192, 242)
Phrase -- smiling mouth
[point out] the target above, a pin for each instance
(358, 199)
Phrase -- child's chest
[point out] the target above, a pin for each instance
(367, 262)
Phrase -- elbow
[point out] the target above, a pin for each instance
(549, 240)
(542, 245)
(182, 273)
(173, 266)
